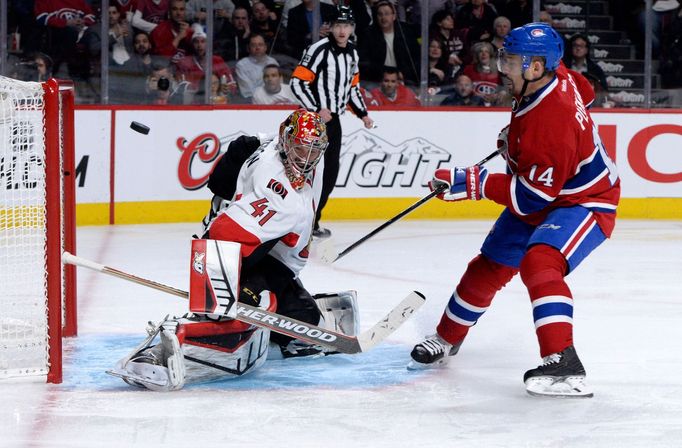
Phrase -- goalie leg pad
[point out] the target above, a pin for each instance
(209, 362)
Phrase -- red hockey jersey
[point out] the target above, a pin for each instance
(556, 158)
(56, 13)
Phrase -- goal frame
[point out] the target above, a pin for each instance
(60, 179)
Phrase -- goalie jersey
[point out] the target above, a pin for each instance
(267, 212)
(556, 158)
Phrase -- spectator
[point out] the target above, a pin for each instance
(455, 41)
(392, 92)
(483, 72)
(291, 4)
(519, 12)
(161, 88)
(273, 91)
(191, 68)
(147, 14)
(501, 27)
(578, 58)
(250, 69)
(264, 22)
(140, 61)
(127, 83)
(232, 40)
(218, 96)
(300, 25)
(463, 94)
(222, 12)
(441, 72)
(478, 16)
(389, 43)
(40, 66)
(73, 38)
(120, 37)
(173, 38)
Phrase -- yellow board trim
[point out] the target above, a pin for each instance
(354, 209)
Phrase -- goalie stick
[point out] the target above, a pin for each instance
(328, 253)
(281, 324)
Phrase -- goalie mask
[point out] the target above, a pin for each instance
(302, 142)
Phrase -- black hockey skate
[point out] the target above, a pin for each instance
(294, 349)
(431, 352)
(320, 233)
(561, 375)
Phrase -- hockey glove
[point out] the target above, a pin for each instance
(460, 183)
(503, 142)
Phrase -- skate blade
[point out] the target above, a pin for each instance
(414, 365)
(553, 387)
(137, 380)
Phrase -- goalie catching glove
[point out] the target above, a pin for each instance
(459, 183)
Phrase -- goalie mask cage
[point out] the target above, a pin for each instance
(37, 223)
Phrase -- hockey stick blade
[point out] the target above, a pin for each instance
(281, 324)
(326, 251)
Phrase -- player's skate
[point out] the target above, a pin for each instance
(433, 351)
(320, 233)
(560, 375)
(160, 367)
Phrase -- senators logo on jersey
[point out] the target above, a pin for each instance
(278, 188)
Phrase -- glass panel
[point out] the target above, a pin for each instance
(147, 67)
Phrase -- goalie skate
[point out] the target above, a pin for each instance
(561, 375)
(159, 368)
(432, 352)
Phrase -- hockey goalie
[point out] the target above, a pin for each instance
(255, 244)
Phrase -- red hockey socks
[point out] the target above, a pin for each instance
(542, 271)
(472, 297)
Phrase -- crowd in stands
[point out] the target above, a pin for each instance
(158, 48)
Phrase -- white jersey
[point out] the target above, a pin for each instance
(266, 207)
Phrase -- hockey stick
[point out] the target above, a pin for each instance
(328, 253)
(281, 324)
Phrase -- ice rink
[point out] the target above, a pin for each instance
(628, 332)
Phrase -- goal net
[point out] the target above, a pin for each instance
(37, 300)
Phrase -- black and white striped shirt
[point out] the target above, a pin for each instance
(328, 78)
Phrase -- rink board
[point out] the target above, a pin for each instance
(126, 177)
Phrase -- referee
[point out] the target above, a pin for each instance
(326, 81)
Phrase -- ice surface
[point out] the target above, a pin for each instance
(628, 328)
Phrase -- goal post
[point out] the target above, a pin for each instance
(37, 223)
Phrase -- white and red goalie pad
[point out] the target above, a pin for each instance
(214, 277)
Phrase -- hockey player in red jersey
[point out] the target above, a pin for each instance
(560, 192)
(267, 191)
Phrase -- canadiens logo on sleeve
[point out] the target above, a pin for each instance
(278, 188)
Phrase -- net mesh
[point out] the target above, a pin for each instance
(23, 274)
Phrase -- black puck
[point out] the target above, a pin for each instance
(139, 127)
